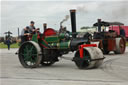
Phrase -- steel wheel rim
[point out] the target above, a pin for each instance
(122, 46)
(85, 63)
(28, 54)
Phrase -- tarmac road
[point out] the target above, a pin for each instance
(114, 71)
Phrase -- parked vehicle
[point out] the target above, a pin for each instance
(110, 40)
(116, 29)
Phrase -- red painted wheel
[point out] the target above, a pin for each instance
(120, 45)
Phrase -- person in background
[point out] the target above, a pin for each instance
(62, 29)
(24, 34)
(8, 42)
(122, 31)
(32, 27)
(38, 30)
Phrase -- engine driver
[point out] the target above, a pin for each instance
(32, 27)
(24, 34)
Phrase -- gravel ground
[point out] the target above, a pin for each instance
(114, 71)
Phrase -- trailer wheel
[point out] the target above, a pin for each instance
(90, 59)
(30, 54)
(120, 45)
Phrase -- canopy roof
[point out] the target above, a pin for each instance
(103, 23)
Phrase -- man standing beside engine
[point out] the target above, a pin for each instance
(122, 31)
(24, 34)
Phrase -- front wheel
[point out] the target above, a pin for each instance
(30, 54)
(93, 57)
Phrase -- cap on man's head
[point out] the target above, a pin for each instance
(32, 22)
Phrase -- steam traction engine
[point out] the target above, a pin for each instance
(109, 40)
(44, 49)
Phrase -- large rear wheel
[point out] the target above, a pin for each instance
(120, 45)
(30, 54)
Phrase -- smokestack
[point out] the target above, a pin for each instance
(18, 32)
(45, 26)
(73, 22)
(99, 25)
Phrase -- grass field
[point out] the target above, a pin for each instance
(127, 44)
(16, 45)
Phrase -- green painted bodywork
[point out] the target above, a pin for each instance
(34, 38)
(61, 45)
(55, 41)
(62, 36)
(55, 38)
(64, 45)
(51, 39)
(58, 41)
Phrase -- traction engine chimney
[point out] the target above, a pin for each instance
(73, 22)
(45, 26)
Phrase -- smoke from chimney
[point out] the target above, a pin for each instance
(82, 9)
(65, 19)
(113, 11)
(118, 11)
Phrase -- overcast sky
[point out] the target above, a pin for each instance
(16, 14)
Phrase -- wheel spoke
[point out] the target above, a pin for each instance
(27, 48)
(28, 54)
(34, 54)
(27, 58)
(31, 49)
